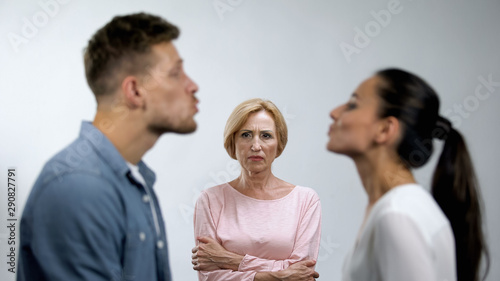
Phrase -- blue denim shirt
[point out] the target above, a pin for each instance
(87, 218)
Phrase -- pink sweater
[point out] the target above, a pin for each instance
(271, 234)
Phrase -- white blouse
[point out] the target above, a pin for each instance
(407, 237)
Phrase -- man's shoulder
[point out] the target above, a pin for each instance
(75, 169)
(78, 157)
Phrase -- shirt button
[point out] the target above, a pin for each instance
(145, 198)
(142, 236)
(159, 244)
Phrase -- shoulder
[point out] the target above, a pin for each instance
(75, 202)
(304, 198)
(214, 194)
(217, 190)
(77, 170)
(74, 192)
(414, 205)
(214, 199)
(412, 200)
(77, 156)
(80, 184)
(306, 193)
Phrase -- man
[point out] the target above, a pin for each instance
(92, 213)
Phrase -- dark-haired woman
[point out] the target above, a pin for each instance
(387, 128)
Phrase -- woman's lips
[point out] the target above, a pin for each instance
(256, 158)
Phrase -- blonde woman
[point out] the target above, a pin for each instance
(256, 227)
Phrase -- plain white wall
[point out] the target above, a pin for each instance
(288, 51)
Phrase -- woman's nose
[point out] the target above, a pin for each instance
(335, 113)
(255, 145)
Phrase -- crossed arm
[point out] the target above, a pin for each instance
(209, 255)
(214, 262)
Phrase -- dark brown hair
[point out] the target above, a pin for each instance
(123, 46)
(454, 187)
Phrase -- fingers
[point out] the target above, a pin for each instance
(194, 258)
(194, 250)
(316, 275)
(196, 265)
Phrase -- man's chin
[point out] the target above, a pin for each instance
(186, 130)
(183, 129)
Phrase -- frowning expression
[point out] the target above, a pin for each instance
(256, 142)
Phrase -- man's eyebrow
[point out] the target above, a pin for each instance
(176, 66)
(177, 63)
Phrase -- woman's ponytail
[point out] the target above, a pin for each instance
(455, 188)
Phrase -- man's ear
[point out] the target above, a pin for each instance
(388, 131)
(132, 93)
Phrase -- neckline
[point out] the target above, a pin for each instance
(134, 170)
(234, 190)
(366, 222)
(386, 195)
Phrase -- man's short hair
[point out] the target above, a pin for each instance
(239, 117)
(123, 47)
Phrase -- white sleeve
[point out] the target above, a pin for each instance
(401, 251)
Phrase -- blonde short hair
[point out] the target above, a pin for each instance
(240, 115)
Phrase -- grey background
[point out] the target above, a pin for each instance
(288, 51)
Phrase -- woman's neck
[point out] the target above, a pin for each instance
(263, 185)
(257, 181)
(380, 173)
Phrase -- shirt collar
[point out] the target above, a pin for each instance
(110, 154)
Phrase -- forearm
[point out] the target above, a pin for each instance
(268, 276)
(252, 263)
(228, 261)
(226, 275)
(300, 271)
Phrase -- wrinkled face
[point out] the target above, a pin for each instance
(353, 130)
(170, 93)
(256, 143)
